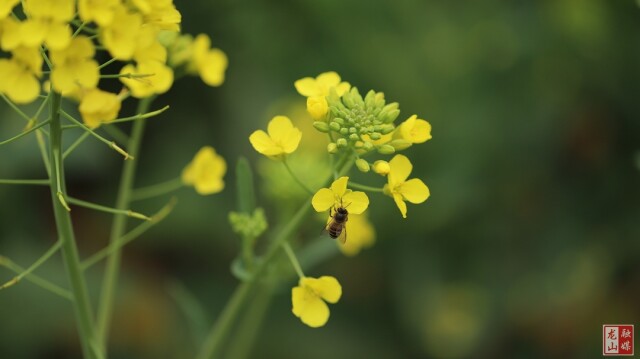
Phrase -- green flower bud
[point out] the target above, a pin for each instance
(354, 137)
(339, 121)
(386, 150)
(321, 126)
(341, 142)
(379, 100)
(390, 116)
(362, 165)
(332, 148)
(370, 99)
(368, 145)
(348, 99)
(344, 131)
(353, 130)
(375, 136)
(400, 145)
(334, 125)
(387, 129)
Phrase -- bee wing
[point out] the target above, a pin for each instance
(343, 235)
(325, 229)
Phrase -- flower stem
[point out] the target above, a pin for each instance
(37, 182)
(364, 187)
(97, 207)
(293, 259)
(156, 189)
(34, 266)
(81, 302)
(35, 279)
(118, 228)
(298, 181)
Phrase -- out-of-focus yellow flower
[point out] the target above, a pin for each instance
(381, 167)
(10, 34)
(414, 130)
(361, 235)
(121, 36)
(282, 138)
(209, 63)
(413, 190)
(47, 21)
(339, 196)
(317, 107)
(205, 172)
(148, 47)
(321, 85)
(309, 297)
(100, 11)
(159, 81)
(161, 14)
(6, 6)
(74, 67)
(19, 75)
(98, 107)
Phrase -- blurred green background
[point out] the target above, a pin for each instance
(528, 244)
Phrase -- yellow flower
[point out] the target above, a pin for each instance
(98, 107)
(321, 85)
(10, 33)
(413, 190)
(205, 172)
(148, 47)
(6, 6)
(381, 167)
(47, 22)
(100, 11)
(317, 107)
(121, 36)
(361, 234)
(415, 130)
(161, 14)
(209, 63)
(282, 138)
(159, 81)
(309, 297)
(20, 75)
(74, 66)
(339, 196)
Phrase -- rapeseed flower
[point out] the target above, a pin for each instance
(157, 78)
(20, 75)
(309, 297)
(413, 190)
(281, 138)
(98, 107)
(205, 172)
(121, 36)
(47, 21)
(74, 66)
(414, 130)
(321, 85)
(100, 11)
(381, 167)
(209, 63)
(339, 196)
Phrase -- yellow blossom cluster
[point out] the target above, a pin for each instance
(65, 35)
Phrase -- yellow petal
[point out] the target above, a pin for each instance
(24, 89)
(6, 6)
(381, 167)
(58, 36)
(339, 186)
(400, 203)
(327, 287)
(283, 133)
(308, 87)
(309, 308)
(356, 202)
(262, 143)
(400, 169)
(206, 171)
(328, 80)
(414, 191)
(323, 200)
(415, 130)
(11, 34)
(33, 32)
(317, 107)
(342, 88)
(213, 67)
(99, 106)
(361, 235)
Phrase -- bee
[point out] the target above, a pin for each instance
(337, 227)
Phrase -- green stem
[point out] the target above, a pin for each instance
(37, 182)
(24, 133)
(75, 144)
(34, 266)
(111, 144)
(293, 259)
(298, 181)
(128, 75)
(14, 107)
(35, 279)
(157, 189)
(118, 229)
(364, 187)
(220, 331)
(97, 207)
(81, 303)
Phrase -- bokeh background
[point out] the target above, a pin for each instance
(528, 244)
